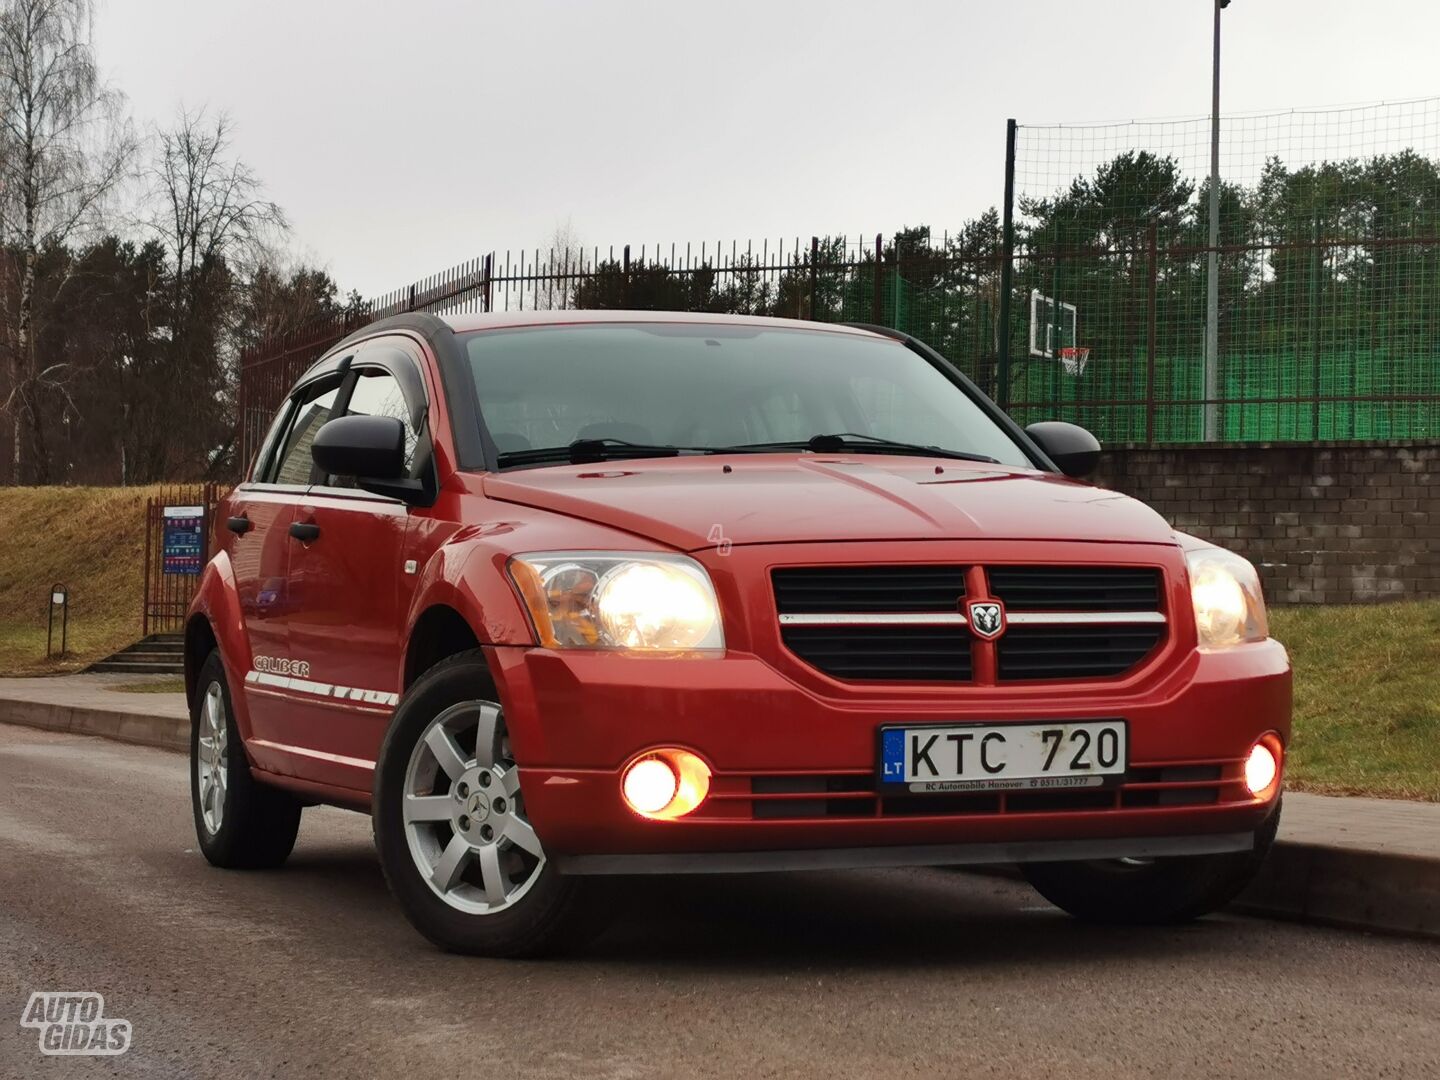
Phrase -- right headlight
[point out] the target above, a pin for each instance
(657, 603)
(1225, 593)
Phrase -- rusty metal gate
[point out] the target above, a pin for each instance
(179, 538)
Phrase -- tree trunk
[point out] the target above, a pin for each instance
(25, 360)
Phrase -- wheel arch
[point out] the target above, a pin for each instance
(200, 641)
(215, 621)
(439, 632)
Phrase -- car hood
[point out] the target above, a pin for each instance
(697, 502)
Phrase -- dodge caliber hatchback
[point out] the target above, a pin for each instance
(560, 596)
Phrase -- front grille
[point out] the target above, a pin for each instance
(909, 623)
(891, 653)
(828, 589)
(1074, 652)
(1076, 588)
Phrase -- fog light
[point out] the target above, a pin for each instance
(1261, 768)
(665, 784)
(650, 785)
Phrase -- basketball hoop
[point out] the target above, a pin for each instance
(1073, 359)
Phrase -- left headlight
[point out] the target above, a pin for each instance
(619, 600)
(1225, 592)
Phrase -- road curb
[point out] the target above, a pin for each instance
(1363, 890)
(122, 725)
(1317, 883)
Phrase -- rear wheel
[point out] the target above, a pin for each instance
(240, 824)
(1140, 892)
(451, 827)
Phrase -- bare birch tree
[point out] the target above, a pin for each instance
(552, 290)
(63, 149)
(217, 230)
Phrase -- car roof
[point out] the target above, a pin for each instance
(504, 319)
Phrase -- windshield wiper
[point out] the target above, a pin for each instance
(854, 442)
(588, 451)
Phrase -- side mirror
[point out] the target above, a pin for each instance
(1070, 446)
(365, 447)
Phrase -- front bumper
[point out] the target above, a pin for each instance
(790, 764)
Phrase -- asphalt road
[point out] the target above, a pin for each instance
(311, 970)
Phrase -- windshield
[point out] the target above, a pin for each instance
(712, 386)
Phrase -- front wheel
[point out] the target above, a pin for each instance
(1151, 892)
(239, 823)
(451, 828)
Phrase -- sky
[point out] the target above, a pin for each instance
(404, 138)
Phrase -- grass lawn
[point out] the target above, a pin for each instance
(1367, 698)
(90, 539)
(171, 685)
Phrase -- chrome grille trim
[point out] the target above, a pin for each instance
(950, 618)
(876, 618)
(1071, 618)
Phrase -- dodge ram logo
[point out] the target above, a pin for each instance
(987, 618)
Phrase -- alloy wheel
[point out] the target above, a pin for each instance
(212, 758)
(464, 813)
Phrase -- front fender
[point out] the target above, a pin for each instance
(469, 576)
(217, 602)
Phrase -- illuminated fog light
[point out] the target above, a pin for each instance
(1261, 768)
(650, 785)
(666, 784)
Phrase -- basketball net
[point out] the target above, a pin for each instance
(1073, 359)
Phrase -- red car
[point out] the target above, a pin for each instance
(554, 596)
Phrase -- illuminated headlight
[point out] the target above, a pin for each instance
(1225, 592)
(603, 600)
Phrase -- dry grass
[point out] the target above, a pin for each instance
(92, 540)
(1367, 698)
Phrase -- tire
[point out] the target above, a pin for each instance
(240, 823)
(465, 865)
(1151, 892)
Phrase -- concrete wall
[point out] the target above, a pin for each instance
(1334, 523)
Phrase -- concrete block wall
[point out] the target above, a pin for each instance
(1328, 523)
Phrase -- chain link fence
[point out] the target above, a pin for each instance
(1329, 275)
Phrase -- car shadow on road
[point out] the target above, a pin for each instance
(869, 919)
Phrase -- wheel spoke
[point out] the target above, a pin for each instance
(447, 752)
(428, 807)
(523, 836)
(214, 709)
(509, 781)
(485, 736)
(490, 873)
(451, 864)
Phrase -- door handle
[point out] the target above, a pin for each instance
(304, 531)
(238, 525)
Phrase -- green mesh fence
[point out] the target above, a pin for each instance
(1328, 269)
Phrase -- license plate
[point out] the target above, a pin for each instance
(1002, 757)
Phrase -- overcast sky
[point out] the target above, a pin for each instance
(404, 137)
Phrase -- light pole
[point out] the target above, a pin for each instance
(1212, 300)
